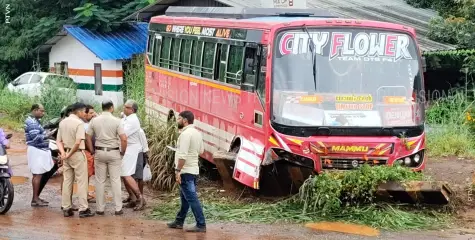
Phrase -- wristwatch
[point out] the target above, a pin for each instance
(177, 170)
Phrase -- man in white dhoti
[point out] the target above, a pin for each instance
(132, 129)
(39, 156)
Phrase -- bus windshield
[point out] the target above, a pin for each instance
(346, 77)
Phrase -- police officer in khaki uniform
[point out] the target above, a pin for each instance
(110, 146)
(70, 140)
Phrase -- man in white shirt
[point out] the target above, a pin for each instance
(132, 129)
(189, 148)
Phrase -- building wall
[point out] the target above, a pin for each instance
(81, 68)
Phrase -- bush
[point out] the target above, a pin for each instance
(16, 106)
(327, 192)
(54, 99)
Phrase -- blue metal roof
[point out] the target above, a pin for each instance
(115, 45)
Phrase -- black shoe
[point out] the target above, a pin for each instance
(100, 213)
(196, 229)
(175, 225)
(86, 213)
(68, 213)
(117, 213)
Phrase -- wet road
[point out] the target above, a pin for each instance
(24, 222)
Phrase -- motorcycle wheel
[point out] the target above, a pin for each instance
(6, 195)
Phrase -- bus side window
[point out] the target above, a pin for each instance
(164, 59)
(250, 66)
(151, 40)
(261, 82)
(156, 49)
(234, 65)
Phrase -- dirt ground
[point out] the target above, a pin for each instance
(25, 222)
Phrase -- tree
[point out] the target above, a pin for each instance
(33, 22)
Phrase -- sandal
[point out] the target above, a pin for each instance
(131, 204)
(42, 200)
(140, 205)
(126, 200)
(39, 204)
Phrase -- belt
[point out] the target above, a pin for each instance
(69, 149)
(106, 149)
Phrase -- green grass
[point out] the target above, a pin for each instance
(345, 197)
(15, 107)
(451, 134)
(382, 216)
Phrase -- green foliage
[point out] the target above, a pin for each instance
(54, 99)
(444, 7)
(33, 22)
(16, 106)
(161, 159)
(134, 81)
(327, 192)
(450, 126)
(320, 199)
(106, 15)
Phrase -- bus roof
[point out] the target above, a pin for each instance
(245, 12)
(261, 18)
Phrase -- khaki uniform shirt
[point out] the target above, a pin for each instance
(70, 130)
(189, 147)
(107, 129)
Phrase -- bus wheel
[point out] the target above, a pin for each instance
(209, 170)
(225, 162)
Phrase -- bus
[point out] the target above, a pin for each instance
(289, 92)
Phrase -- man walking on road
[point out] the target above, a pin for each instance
(189, 147)
(71, 145)
(108, 149)
(39, 156)
(134, 148)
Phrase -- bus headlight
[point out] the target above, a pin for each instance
(414, 160)
(417, 158)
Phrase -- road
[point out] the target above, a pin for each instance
(25, 222)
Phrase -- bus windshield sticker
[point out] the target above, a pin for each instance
(398, 116)
(348, 46)
(394, 100)
(354, 98)
(354, 106)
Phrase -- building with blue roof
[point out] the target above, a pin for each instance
(95, 60)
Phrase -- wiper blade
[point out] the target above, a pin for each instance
(314, 56)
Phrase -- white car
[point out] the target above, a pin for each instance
(31, 83)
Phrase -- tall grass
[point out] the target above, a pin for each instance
(449, 133)
(15, 107)
(161, 159)
(135, 84)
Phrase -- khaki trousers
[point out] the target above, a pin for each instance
(108, 161)
(75, 168)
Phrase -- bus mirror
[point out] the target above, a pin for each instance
(424, 64)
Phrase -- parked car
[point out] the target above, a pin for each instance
(31, 83)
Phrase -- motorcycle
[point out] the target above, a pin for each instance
(6, 187)
(51, 128)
